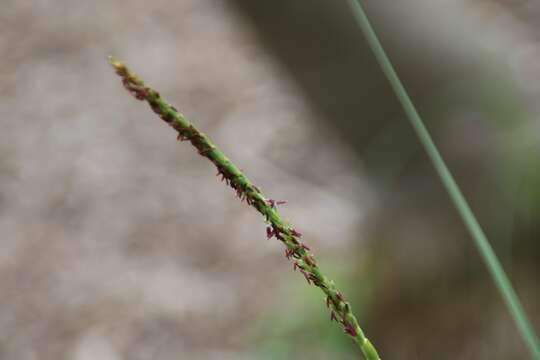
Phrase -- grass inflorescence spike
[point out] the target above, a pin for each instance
(296, 251)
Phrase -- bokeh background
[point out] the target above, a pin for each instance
(117, 242)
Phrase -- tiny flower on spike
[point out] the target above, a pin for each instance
(289, 253)
(269, 232)
(273, 202)
(314, 279)
(296, 233)
(349, 329)
(306, 275)
(309, 260)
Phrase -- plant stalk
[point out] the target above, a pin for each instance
(493, 264)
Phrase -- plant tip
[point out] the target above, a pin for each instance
(117, 64)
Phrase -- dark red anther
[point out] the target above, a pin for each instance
(155, 107)
(349, 329)
(202, 151)
(289, 253)
(141, 94)
(273, 202)
(239, 193)
(310, 260)
(127, 85)
(165, 117)
(296, 233)
(333, 316)
(306, 275)
(305, 247)
(269, 232)
(295, 265)
(314, 278)
(340, 296)
(223, 176)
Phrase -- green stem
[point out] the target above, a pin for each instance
(488, 255)
(296, 251)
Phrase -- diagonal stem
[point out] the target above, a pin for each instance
(488, 255)
(296, 251)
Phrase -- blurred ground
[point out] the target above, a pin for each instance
(117, 242)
